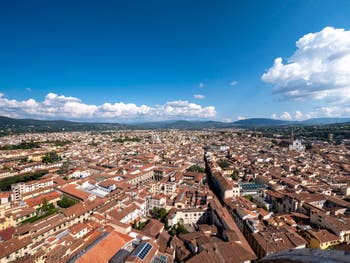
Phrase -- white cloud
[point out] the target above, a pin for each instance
(60, 106)
(201, 85)
(331, 111)
(241, 118)
(298, 115)
(284, 116)
(335, 111)
(233, 83)
(185, 108)
(318, 69)
(199, 96)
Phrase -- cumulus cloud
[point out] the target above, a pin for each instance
(284, 116)
(298, 115)
(331, 111)
(184, 108)
(198, 96)
(318, 69)
(241, 118)
(233, 83)
(61, 106)
(335, 111)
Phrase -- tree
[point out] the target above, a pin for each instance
(5, 183)
(308, 146)
(181, 230)
(45, 206)
(66, 202)
(159, 214)
(249, 197)
(223, 164)
(177, 229)
(196, 168)
(51, 157)
(234, 175)
(139, 225)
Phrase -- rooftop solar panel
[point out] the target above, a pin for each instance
(142, 251)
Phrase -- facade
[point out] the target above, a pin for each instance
(22, 188)
(186, 216)
(297, 146)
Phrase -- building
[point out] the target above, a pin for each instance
(321, 239)
(21, 188)
(297, 146)
(186, 216)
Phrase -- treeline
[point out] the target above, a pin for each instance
(20, 146)
(5, 183)
(59, 142)
(127, 139)
(51, 157)
(32, 145)
(196, 168)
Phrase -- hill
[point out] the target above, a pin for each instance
(257, 122)
(11, 125)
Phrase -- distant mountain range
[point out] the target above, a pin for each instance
(30, 125)
(10, 125)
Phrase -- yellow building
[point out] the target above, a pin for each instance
(321, 239)
(6, 221)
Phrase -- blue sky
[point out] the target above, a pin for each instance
(156, 60)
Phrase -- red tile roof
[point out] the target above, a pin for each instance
(105, 249)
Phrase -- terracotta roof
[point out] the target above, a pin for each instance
(82, 208)
(222, 252)
(323, 235)
(12, 245)
(105, 249)
(5, 194)
(153, 228)
(77, 228)
(7, 233)
(73, 191)
(31, 202)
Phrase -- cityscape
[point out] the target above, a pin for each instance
(175, 131)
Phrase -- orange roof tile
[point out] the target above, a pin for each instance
(105, 249)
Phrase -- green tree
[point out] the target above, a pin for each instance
(308, 146)
(45, 206)
(177, 229)
(181, 230)
(223, 164)
(196, 168)
(159, 214)
(66, 202)
(51, 157)
(5, 183)
(234, 175)
(22, 145)
(249, 197)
